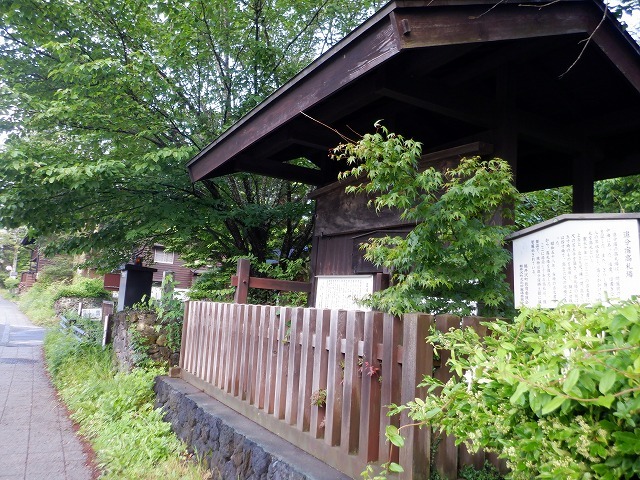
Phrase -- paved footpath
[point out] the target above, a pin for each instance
(37, 441)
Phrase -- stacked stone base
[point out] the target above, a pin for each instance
(232, 446)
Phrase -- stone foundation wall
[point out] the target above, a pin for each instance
(150, 335)
(71, 303)
(232, 446)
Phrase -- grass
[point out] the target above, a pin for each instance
(115, 413)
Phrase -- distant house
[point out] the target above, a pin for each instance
(163, 261)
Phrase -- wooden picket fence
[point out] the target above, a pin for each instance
(275, 365)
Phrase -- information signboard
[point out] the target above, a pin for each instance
(579, 259)
(342, 291)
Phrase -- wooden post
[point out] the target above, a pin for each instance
(380, 282)
(446, 458)
(583, 178)
(417, 361)
(242, 290)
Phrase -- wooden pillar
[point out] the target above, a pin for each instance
(242, 290)
(583, 178)
(505, 139)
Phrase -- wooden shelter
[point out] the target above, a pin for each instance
(552, 87)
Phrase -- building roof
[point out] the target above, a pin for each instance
(550, 86)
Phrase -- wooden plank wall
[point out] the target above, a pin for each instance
(268, 362)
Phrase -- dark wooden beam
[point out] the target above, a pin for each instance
(624, 55)
(552, 134)
(623, 120)
(478, 66)
(505, 118)
(475, 24)
(444, 105)
(273, 284)
(285, 171)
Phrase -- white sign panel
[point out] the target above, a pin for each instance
(577, 261)
(91, 312)
(342, 291)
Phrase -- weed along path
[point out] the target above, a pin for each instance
(37, 440)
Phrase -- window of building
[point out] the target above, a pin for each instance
(160, 255)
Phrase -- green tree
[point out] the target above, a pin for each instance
(455, 255)
(14, 257)
(105, 101)
(615, 195)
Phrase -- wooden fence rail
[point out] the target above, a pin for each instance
(274, 364)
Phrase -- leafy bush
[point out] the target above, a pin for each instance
(84, 288)
(115, 411)
(11, 283)
(555, 392)
(215, 284)
(487, 472)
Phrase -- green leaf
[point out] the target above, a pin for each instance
(607, 380)
(395, 468)
(520, 390)
(555, 403)
(628, 442)
(634, 335)
(572, 378)
(605, 401)
(394, 436)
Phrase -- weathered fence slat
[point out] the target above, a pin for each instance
(351, 383)
(306, 370)
(293, 368)
(391, 375)
(282, 359)
(416, 362)
(447, 452)
(269, 396)
(252, 362)
(371, 387)
(333, 417)
(320, 368)
(261, 356)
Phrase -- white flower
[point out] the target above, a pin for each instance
(469, 375)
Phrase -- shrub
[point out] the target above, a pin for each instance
(38, 301)
(83, 288)
(215, 284)
(11, 283)
(555, 392)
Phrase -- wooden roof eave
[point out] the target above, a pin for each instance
(306, 87)
(401, 26)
